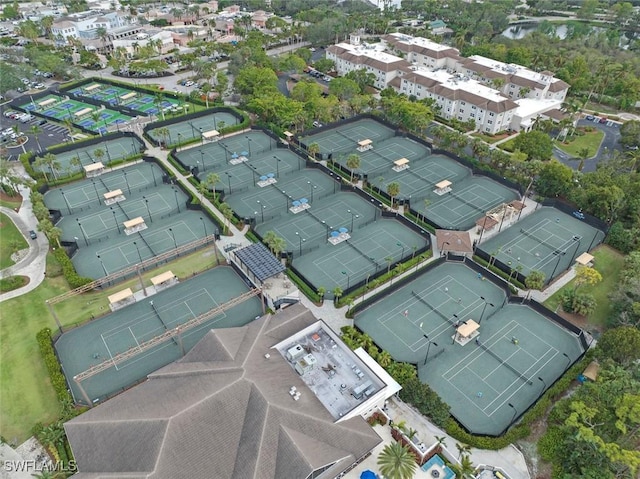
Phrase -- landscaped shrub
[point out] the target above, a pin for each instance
(53, 365)
(426, 400)
(69, 271)
(304, 287)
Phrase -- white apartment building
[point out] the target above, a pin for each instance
(463, 88)
(85, 25)
(142, 39)
(458, 97)
(372, 58)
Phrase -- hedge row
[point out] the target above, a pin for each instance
(69, 271)
(431, 229)
(376, 195)
(53, 366)
(308, 292)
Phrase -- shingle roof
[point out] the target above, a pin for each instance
(225, 411)
(260, 261)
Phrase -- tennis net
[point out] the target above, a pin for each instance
(123, 211)
(362, 253)
(148, 245)
(511, 368)
(423, 301)
(468, 203)
(539, 240)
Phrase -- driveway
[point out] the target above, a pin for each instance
(611, 142)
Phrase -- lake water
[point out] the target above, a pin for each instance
(517, 32)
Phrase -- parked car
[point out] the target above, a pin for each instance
(25, 118)
(41, 122)
(8, 113)
(32, 234)
(589, 117)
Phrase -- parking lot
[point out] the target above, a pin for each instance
(50, 134)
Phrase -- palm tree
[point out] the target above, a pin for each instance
(353, 163)
(69, 124)
(206, 89)
(163, 132)
(337, 294)
(98, 153)
(40, 164)
(393, 190)
(211, 181)
(397, 462)
(462, 449)
(157, 101)
(384, 359)
(278, 245)
(76, 163)
(465, 469)
(35, 131)
(203, 189)
(389, 260)
(52, 162)
(313, 149)
(441, 440)
(321, 292)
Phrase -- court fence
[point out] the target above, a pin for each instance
(242, 122)
(570, 208)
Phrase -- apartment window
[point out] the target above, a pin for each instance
(472, 115)
(490, 122)
(461, 110)
(487, 129)
(462, 103)
(448, 109)
(459, 117)
(473, 107)
(491, 113)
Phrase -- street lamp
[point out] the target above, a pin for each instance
(560, 255)
(515, 412)
(484, 308)
(429, 343)
(575, 253)
(402, 246)
(262, 208)
(348, 278)
(255, 173)
(135, 243)
(103, 268)
(352, 217)
(175, 244)
(153, 173)
(126, 180)
(202, 158)
(248, 144)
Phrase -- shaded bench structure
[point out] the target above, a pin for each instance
(164, 280)
(115, 196)
(94, 169)
(134, 225)
(121, 299)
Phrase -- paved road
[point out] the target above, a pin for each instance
(610, 142)
(32, 265)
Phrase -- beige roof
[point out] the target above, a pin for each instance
(161, 278)
(133, 222)
(222, 411)
(401, 162)
(443, 184)
(454, 241)
(467, 328)
(112, 194)
(584, 259)
(93, 167)
(486, 222)
(517, 205)
(558, 85)
(120, 295)
(591, 371)
(555, 114)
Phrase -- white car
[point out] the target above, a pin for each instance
(8, 131)
(25, 118)
(189, 83)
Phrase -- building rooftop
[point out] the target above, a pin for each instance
(338, 378)
(422, 42)
(374, 51)
(226, 406)
(459, 82)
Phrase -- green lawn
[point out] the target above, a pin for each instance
(10, 240)
(26, 395)
(490, 138)
(608, 262)
(590, 140)
(10, 201)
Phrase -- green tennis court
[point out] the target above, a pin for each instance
(145, 103)
(85, 194)
(547, 240)
(79, 113)
(124, 329)
(276, 199)
(344, 139)
(106, 152)
(182, 131)
(489, 382)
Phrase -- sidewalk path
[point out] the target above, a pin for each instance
(34, 263)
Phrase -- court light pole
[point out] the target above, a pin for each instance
(515, 412)
(153, 173)
(348, 278)
(353, 215)
(253, 174)
(175, 243)
(300, 241)
(202, 159)
(311, 188)
(402, 246)
(102, 264)
(248, 144)
(484, 308)
(228, 180)
(84, 235)
(484, 224)
(277, 163)
(457, 325)
(544, 384)
(575, 253)
(115, 219)
(95, 188)
(135, 243)
(429, 343)
(204, 226)
(146, 202)
(560, 255)
(126, 180)
(175, 192)
(261, 207)
(66, 202)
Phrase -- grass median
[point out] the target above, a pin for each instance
(12, 241)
